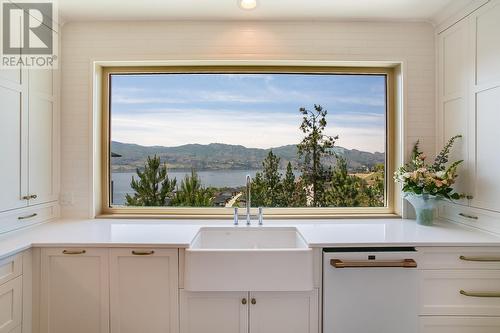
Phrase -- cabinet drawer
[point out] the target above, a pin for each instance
(10, 305)
(459, 258)
(21, 218)
(10, 268)
(474, 217)
(443, 292)
(459, 324)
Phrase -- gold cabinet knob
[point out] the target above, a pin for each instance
(253, 301)
(244, 301)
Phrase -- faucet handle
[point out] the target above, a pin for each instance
(261, 216)
(235, 217)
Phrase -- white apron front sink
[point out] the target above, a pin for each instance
(248, 259)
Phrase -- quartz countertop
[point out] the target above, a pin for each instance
(179, 233)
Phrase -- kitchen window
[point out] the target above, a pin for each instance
(180, 141)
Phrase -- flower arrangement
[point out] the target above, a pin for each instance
(434, 179)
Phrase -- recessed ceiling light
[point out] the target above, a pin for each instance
(247, 4)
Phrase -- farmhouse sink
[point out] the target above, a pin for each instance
(248, 259)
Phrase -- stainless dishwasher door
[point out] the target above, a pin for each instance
(370, 292)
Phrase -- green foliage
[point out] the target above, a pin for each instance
(443, 156)
(272, 181)
(345, 190)
(192, 193)
(289, 187)
(153, 188)
(312, 150)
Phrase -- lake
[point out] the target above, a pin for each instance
(215, 178)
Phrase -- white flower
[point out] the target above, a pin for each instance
(441, 174)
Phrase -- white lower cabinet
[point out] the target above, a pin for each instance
(11, 304)
(254, 312)
(74, 291)
(459, 325)
(144, 290)
(284, 312)
(218, 312)
(459, 290)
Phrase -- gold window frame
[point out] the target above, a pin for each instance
(106, 210)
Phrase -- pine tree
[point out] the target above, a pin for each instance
(258, 191)
(345, 190)
(192, 193)
(153, 188)
(289, 187)
(272, 180)
(312, 150)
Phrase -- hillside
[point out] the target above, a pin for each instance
(218, 156)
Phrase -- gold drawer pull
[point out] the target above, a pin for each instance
(481, 259)
(27, 216)
(480, 294)
(74, 251)
(467, 216)
(142, 253)
(405, 263)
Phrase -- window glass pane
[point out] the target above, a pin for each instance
(307, 140)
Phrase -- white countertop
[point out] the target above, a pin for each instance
(179, 233)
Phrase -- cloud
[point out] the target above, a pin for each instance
(174, 127)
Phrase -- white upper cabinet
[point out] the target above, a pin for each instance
(487, 25)
(144, 290)
(43, 127)
(486, 107)
(453, 57)
(469, 102)
(29, 132)
(13, 148)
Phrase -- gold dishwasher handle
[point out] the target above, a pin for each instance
(405, 263)
(481, 259)
(479, 294)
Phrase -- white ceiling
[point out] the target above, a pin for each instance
(93, 10)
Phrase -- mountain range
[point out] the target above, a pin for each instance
(218, 156)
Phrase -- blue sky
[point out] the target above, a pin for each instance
(254, 110)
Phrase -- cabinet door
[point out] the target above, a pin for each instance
(74, 291)
(10, 304)
(13, 121)
(43, 138)
(454, 78)
(485, 106)
(459, 324)
(144, 290)
(284, 312)
(218, 312)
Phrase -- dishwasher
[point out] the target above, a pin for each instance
(370, 290)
